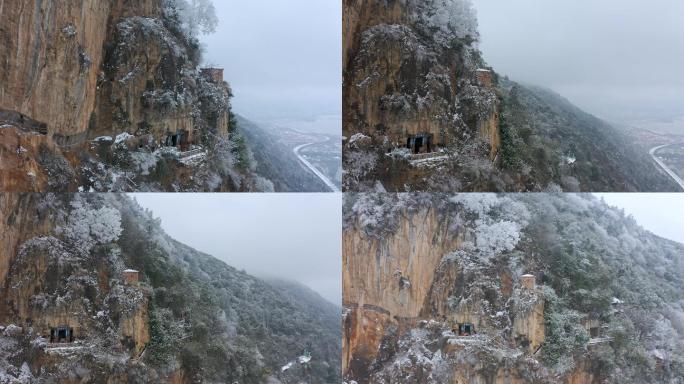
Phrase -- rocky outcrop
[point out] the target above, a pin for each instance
(21, 219)
(19, 171)
(360, 14)
(119, 71)
(47, 288)
(411, 70)
(398, 277)
(408, 291)
(392, 285)
(73, 311)
(135, 328)
(364, 329)
(51, 55)
(154, 90)
(582, 375)
(528, 325)
(488, 131)
(51, 289)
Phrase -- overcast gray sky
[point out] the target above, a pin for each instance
(660, 213)
(614, 58)
(292, 236)
(283, 58)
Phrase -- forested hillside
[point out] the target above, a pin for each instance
(276, 161)
(424, 111)
(181, 317)
(554, 288)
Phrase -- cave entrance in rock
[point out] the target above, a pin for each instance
(421, 143)
(184, 140)
(466, 329)
(173, 140)
(62, 334)
(594, 332)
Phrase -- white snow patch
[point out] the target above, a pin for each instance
(120, 138)
(357, 137)
(304, 359)
(103, 138)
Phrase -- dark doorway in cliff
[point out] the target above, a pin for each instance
(421, 143)
(62, 334)
(184, 140)
(173, 140)
(466, 329)
(594, 332)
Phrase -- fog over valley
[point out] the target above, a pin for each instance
(617, 59)
(281, 58)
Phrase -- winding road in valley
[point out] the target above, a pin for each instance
(667, 169)
(312, 168)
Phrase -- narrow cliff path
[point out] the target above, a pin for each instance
(312, 168)
(667, 169)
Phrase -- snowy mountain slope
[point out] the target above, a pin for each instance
(190, 318)
(434, 116)
(604, 305)
(276, 161)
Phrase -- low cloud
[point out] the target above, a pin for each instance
(619, 59)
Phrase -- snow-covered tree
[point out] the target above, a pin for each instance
(262, 184)
(87, 226)
(498, 221)
(196, 16)
(497, 237)
(478, 203)
(448, 19)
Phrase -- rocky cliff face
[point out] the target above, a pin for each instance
(423, 111)
(52, 286)
(410, 70)
(96, 92)
(437, 290)
(405, 287)
(21, 221)
(52, 55)
(393, 284)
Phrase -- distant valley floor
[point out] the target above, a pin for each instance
(304, 160)
(665, 148)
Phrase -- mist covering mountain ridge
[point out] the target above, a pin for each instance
(191, 317)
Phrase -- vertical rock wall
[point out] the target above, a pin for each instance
(388, 279)
(136, 328)
(529, 326)
(52, 51)
(19, 221)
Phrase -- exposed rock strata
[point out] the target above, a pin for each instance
(74, 71)
(405, 296)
